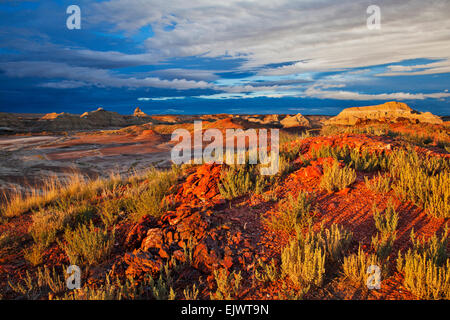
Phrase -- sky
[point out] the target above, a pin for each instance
(231, 56)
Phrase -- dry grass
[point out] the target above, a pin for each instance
(380, 183)
(43, 282)
(148, 198)
(76, 188)
(356, 265)
(48, 223)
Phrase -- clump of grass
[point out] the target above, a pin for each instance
(335, 178)
(355, 266)
(228, 284)
(386, 223)
(110, 211)
(40, 284)
(239, 180)
(380, 183)
(293, 211)
(191, 294)
(427, 267)
(337, 242)
(305, 258)
(87, 245)
(128, 289)
(34, 254)
(266, 272)
(235, 183)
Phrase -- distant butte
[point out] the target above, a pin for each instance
(387, 112)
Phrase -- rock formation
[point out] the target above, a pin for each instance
(101, 118)
(139, 113)
(387, 112)
(271, 118)
(295, 121)
(62, 122)
(166, 119)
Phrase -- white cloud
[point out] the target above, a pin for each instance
(323, 34)
(423, 69)
(349, 95)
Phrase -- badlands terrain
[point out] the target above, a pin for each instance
(367, 189)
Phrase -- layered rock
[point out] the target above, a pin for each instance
(8, 120)
(166, 119)
(62, 122)
(387, 112)
(297, 120)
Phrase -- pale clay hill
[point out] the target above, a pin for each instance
(102, 119)
(387, 112)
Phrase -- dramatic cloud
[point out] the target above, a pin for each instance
(323, 34)
(160, 51)
(90, 76)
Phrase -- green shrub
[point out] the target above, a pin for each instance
(110, 211)
(386, 222)
(87, 245)
(305, 258)
(363, 160)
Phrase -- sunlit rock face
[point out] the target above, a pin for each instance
(387, 112)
